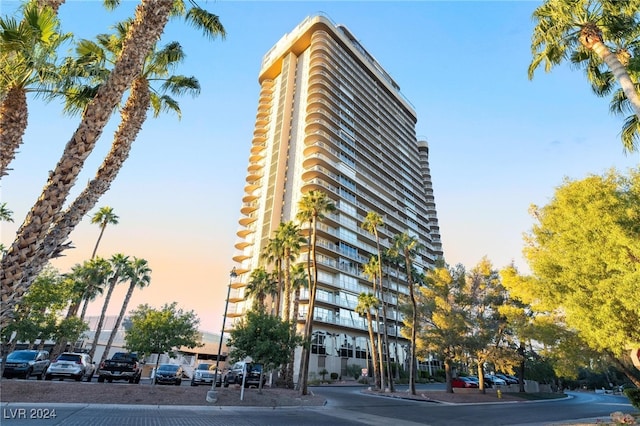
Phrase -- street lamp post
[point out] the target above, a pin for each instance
(212, 393)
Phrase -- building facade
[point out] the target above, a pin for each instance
(330, 118)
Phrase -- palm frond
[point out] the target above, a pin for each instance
(206, 21)
(630, 134)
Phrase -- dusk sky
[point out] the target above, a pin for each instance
(498, 142)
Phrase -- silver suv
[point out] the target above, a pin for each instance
(71, 365)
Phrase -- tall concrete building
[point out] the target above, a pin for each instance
(331, 119)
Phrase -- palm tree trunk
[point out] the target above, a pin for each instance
(308, 325)
(95, 248)
(116, 326)
(619, 72)
(23, 261)
(103, 314)
(13, 123)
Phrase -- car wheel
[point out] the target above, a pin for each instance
(178, 382)
(132, 380)
(137, 380)
(78, 378)
(47, 377)
(100, 379)
(28, 374)
(225, 384)
(193, 383)
(89, 377)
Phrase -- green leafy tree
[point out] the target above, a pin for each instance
(312, 208)
(265, 338)
(584, 254)
(487, 339)
(154, 331)
(443, 319)
(586, 27)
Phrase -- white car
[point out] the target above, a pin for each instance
(495, 380)
(71, 365)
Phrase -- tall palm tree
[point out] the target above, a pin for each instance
(105, 216)
(366, 303)
(407, 246)
(564, 27)
(372, 222)
(26, 257)
(312, 208)
(273, 254)
(120, 268)
(98, 271)
(28, 63)
(261, 284)
(370, 270)
(288, 233)
(299, 280)
(139, 276)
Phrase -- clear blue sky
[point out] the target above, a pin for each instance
(498, 142)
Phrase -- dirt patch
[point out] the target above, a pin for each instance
(147, 394)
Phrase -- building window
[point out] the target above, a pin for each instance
(318, 343)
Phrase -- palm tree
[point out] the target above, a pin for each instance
(28, 56)
(371, 271)
(299, 280)
(261, 283)
(6, 215)
(26, 256)
(120, 267)
(105, 216)
(407, 246)
(567, 27)
(139, 276)
(367, 302)
(273, 253)
(312, 208)
(97, 271)
(288, 234)
(372, 222)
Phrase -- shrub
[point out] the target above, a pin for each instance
(354, 370)
(334, 376)
(634, 396)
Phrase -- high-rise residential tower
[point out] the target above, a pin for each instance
(331, 119)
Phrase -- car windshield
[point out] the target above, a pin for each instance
(207, 367)
(69, 357)
(168, 367)
(21, 356)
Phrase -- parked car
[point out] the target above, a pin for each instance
(463, 382)
(71, 365)
(487, 383)
(204, 374)
(121, 366)
(26, 363)
(168, 374)
(235, 374)
(495, 380)
(507, 378)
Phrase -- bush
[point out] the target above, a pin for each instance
(334, 376)
(634, 396)
(354, 370)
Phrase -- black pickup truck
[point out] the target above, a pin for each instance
(121, 366)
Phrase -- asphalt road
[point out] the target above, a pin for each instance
(345, 406)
